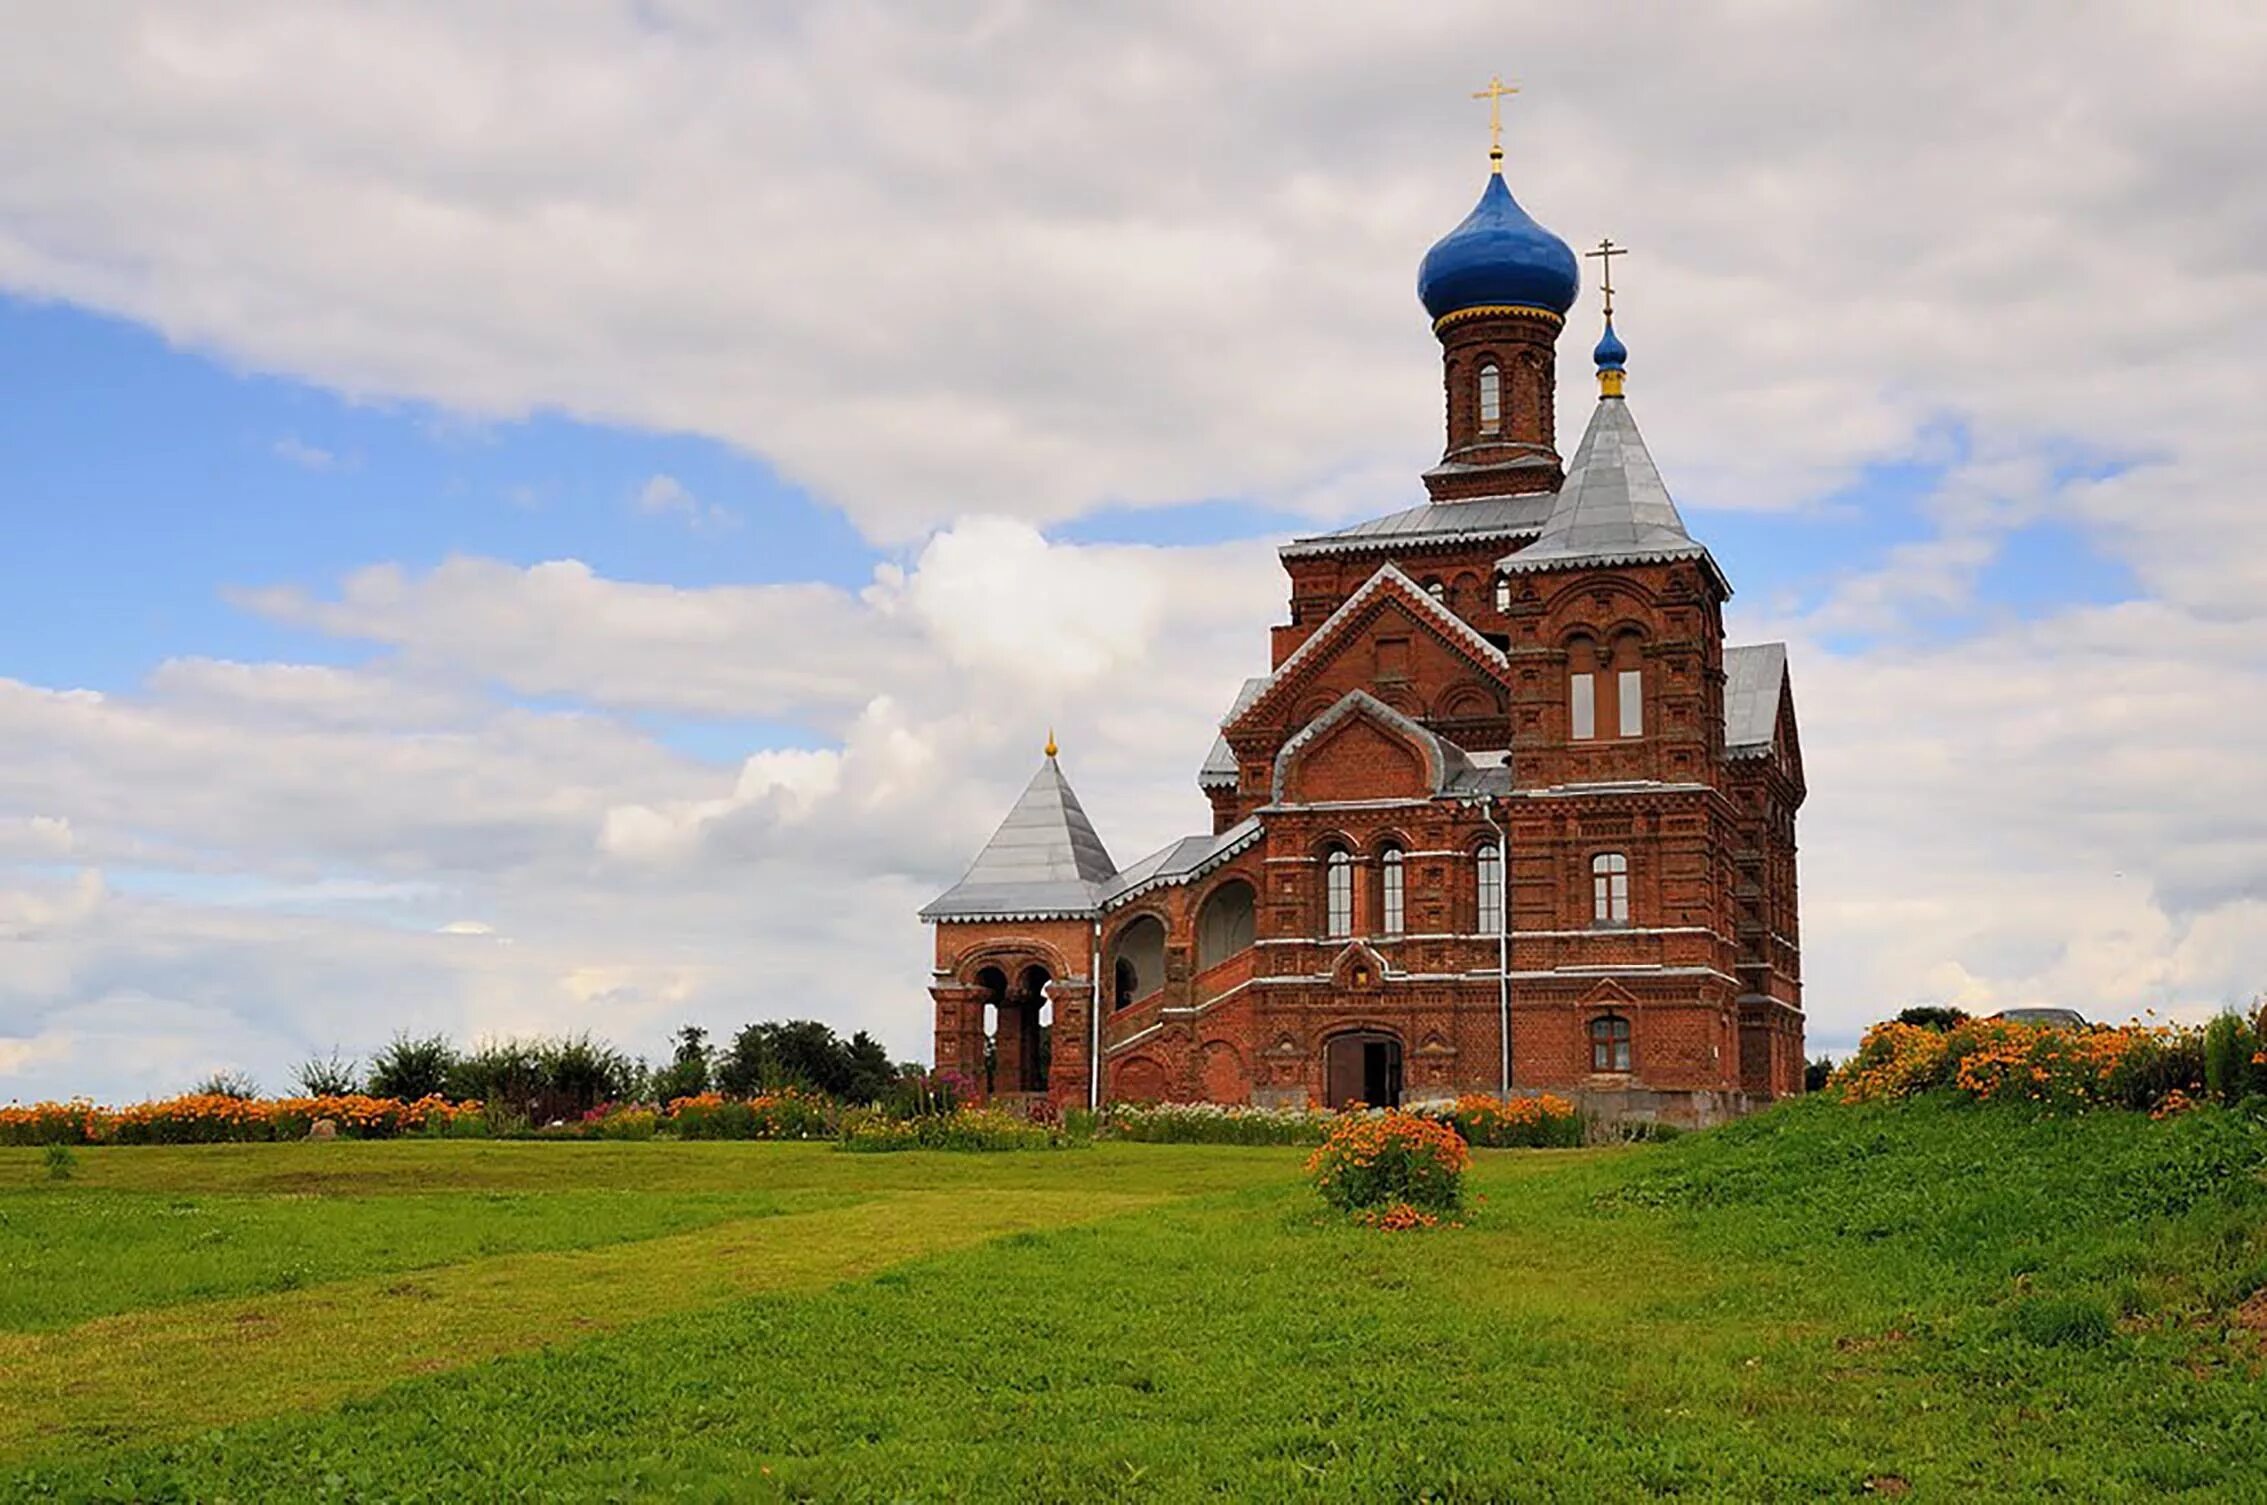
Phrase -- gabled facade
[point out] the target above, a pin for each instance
(1505, 814)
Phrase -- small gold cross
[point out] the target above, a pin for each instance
(1606, 253)
(1493, 94)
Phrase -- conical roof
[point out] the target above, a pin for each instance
(1613, 507)
(1044, 860)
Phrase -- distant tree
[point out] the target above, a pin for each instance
(1816, 1073)
(800, 1053)
(1933, 1016)
(868, 1069)
(327, 1076)
(412, 1067)
(503, 1074)
(579, 1073)
(228, 1083)
(687, 1074)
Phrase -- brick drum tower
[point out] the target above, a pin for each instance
(1505, 815)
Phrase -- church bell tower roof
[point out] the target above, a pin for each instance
(1613, 507)
(1045, 861)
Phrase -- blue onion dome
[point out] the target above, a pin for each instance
(1499, 257)
(1611, 353)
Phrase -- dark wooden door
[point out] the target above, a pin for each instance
(1362, 1068)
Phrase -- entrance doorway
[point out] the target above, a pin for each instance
(1363, 1068)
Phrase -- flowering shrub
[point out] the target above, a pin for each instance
(1375, 1161)
(1507, 1123)
(964, 1129)
(1213, 1123)
(2132, 1066)
(786, 1114)
(215, 1118)
(1893, 1060)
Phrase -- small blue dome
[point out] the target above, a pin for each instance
(1499, 255)
(1611, 352)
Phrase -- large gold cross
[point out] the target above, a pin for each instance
(1606, 253)
(1493, 94)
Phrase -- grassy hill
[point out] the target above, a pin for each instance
(1819, 1302)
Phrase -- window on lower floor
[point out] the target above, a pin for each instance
(1609, 1043)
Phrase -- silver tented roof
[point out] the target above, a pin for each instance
(1613, 508)
(1044, 861)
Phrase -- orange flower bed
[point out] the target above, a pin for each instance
(1521, 1122)
(211, 1118)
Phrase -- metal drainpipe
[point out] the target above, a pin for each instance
(1094, 1023)
(1503, 934)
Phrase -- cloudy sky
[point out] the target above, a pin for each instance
(582, 516)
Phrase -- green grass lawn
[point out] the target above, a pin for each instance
(1816, 1303)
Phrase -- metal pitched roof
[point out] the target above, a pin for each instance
(1220, 763)
(1754, 675)
(1045, 859)
(1189, 858)
(1482, 519)
(1613, 508)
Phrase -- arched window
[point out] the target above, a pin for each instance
(1338, 895)
(1629, 686)
(1609, 889)
(1609, 1043)
(1390, 868)
(1488, 887)
(1491, 398)
(1582, 689)
(1436, 590)
(1503, 593)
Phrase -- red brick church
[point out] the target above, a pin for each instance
(1505, 814)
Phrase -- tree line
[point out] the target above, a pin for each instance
(545, 1078)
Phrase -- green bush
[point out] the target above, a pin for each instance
(413, 1067)
(327, 1076)
(2229, 1045)
(974, 1129)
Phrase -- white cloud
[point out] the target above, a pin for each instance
(304, 455)
(665, 496)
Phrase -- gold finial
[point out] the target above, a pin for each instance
(1493, 94)
(1050, 741)
(1606, 253)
